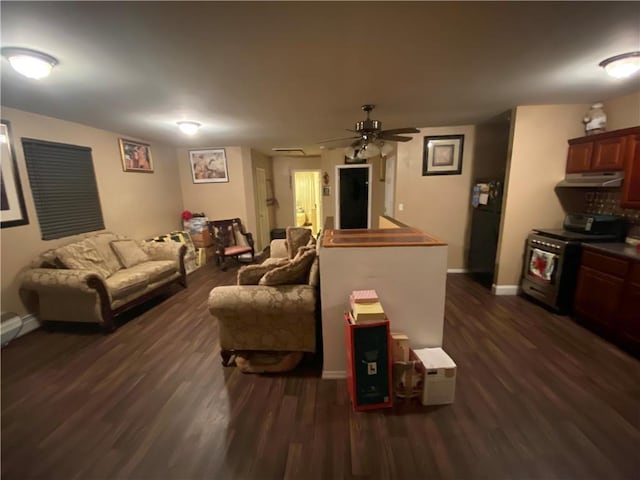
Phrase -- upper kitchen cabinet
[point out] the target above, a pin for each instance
(631, 185)
(601, 152)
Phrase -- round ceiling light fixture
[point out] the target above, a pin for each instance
(30, 63)
(188, 128)
(622, 66)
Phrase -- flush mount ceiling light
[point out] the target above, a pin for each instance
(30, 63)
(188, 128)
(622, 66)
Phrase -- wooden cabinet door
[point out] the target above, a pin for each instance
(631, 184)
(598, 296)
(629, 315)
(579, 157)
(609, 154)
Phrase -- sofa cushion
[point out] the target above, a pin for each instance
(125, 282)
(297, 237)
(251, 274)
(83, 255)
(296, 272)
(129, 253)
(156, 270)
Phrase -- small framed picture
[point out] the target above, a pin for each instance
(209, 166)
(136, 156)
(442, 155)
(326, 191)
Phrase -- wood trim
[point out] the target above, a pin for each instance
(600, 136)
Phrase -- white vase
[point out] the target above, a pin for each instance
(595, 121)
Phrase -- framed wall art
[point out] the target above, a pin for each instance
(442, 155)
(12, 209)
(209, 166)
(136, 156)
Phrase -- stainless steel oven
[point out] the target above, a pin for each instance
(552, 257)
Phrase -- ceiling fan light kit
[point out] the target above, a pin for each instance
(29, 63)
(370, 140)
(622, 66)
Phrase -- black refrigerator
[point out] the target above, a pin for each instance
(486, 201)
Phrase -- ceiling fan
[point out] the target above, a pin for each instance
(370, 140)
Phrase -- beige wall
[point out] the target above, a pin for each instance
(439, 204)
(221, 200)
(332, 158)
(491, 147)
(282, 179)
(140, 205)
(537, 163)
(623, 112)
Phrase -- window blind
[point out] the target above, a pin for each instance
(64, 188)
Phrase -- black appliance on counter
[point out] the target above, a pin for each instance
(552, 257)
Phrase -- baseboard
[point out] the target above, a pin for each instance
(29, 324)
(505, 289)
(334, 374)
(457, 270)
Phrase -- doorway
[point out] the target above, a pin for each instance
(307, 200)
(262, 210)
(353, 196)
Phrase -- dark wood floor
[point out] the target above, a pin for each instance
(538, 397)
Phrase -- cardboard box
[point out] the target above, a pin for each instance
(400, 347)
(439, 384)
(201, 239)
(210, 253)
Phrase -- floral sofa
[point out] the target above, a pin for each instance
(97, 278)
(276, 316)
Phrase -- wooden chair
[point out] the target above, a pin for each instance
(231, 240)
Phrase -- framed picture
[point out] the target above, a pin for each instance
(442, 155)
(136, 156)
(209, 166)
(12, 210)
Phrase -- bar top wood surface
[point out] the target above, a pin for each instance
(379, 237)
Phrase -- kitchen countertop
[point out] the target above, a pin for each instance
(621, 249)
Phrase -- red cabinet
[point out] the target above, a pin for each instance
(369, 364)
(601, 152)
(631, 184)
(608, 295)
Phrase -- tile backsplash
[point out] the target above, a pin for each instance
(608, 202)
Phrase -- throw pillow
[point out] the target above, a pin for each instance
(297, 237)
(296, 272)
(129, 252)
(241, 240)
(83, 255)
(251, 274)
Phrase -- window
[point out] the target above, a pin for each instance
(64, 188)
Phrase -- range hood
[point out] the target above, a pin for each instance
(592, 179)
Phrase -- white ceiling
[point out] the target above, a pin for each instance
(272, 74)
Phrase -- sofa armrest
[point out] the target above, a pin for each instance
(278, 249)
(254, 300)
(54, 279)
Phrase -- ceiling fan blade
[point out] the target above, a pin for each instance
(395, 131)
(338, 139)
(394, 138)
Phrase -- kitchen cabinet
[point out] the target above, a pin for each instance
(608, 295)
(606, 151)
(631, 185)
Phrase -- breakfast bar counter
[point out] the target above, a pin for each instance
(406, 267)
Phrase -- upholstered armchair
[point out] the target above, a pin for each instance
(230, 240)
(273, 307)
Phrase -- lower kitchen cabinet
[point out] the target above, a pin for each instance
(608, 296)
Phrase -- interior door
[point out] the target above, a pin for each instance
(262, 210)
(354, 197)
